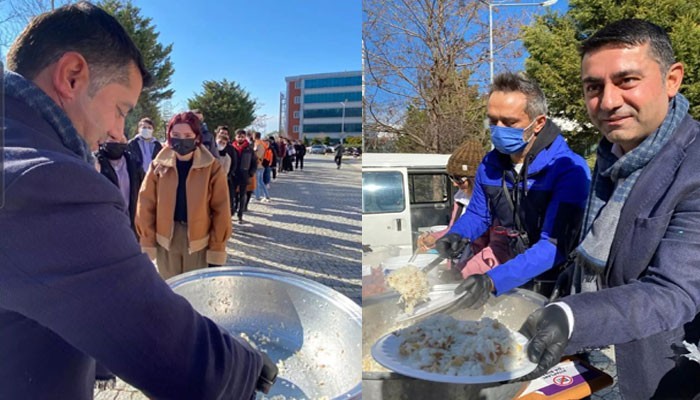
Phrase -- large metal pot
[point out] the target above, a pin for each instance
(378, 318)
(314, 330)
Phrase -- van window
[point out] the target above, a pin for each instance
(428, 188)
(382, 192)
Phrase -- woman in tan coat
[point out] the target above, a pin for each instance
(183, 215)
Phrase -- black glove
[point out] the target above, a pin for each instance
(562, 287)
(451, 245)
(547, 330)
(478, 288)
(268, 375)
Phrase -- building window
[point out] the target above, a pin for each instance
(296, 129)
(333, 112)
(297, 99)
(296, 114)
(332, 97)
(296, 85)
(334, 82)
(335, 128)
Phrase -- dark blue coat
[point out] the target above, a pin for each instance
(651, 298)
(550, 210)
(75, 288)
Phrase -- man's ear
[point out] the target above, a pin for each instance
(674, 78)
(539, 123)
(71, 75)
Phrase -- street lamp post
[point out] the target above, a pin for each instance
(545, 3)
(342, 122)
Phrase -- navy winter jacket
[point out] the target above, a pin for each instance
(650, 302)
(75, 287)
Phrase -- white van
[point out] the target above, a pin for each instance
(402, 196)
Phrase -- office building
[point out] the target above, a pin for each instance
(320, 105)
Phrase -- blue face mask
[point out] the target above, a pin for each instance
(508, 140)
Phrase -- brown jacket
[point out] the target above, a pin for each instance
(208, 208)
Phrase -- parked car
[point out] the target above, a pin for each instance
(330, 149)
(317, 149)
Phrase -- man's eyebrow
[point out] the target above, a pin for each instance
(627, 72)
(590, 79)
(615, 76)
(128, 106)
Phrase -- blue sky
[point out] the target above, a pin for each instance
(255, 43)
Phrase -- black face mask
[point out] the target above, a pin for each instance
(113, 150)
(183, 147)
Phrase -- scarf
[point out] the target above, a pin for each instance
(613, 180)
(240, 147)
(27, 92)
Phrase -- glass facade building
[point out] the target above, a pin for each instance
(324, 105)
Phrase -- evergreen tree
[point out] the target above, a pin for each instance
(156, 57)
(553, 41)
(224, 103)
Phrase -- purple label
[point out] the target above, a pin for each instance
(566, 382)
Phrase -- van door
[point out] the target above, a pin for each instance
(386, 217)
(431, 199)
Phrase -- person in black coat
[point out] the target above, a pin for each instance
(301, 152)
(243, 167)
(122, 169)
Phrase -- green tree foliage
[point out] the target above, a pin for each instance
(224, 103)
(553, 40)
(353, 141)
(156, 57)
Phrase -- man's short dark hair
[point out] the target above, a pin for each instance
(220, 128)
(147, 121)
(241, 132)
(520, 82)
(83, 28)
(633, 32)
(258, 135)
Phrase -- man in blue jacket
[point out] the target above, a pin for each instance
(638, 265)
(531, 189)
(74, 285)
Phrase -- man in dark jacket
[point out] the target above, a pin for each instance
(531, 190)
(121, 168)
(75, 287)
(638, 264)
(243, 167)
(339, 154)
(300, 153)
(144, 147)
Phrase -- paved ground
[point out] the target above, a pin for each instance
(605, 360)
(312, 227)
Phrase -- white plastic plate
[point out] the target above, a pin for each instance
(386, 352)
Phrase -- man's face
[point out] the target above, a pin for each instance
(626, 93)
(240, 138)
(102, 116)
(508, 109)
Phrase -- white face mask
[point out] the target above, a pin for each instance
(146, 133)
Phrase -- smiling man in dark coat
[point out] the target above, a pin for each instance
(637, 280)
